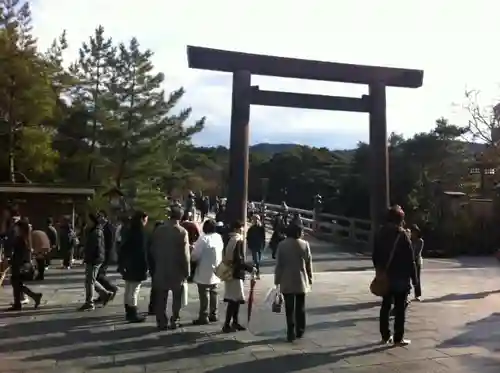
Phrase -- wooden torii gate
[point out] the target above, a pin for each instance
(243, 65)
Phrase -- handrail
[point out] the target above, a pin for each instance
(325, 226)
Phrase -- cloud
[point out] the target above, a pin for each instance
(425, 35)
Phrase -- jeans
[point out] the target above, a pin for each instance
(295, 310)
(103, 279)
(399, 301)
(91, 271)
(19, 289)
(256, 257)
(131, 293)
(160, 303)
(209, 300)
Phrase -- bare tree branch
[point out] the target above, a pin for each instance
(482, 121)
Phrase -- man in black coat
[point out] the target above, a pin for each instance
(94, 256)
(109, 255)
(393, 255)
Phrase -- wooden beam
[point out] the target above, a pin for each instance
(309, 101)
(228, 61)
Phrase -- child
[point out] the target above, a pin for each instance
(418, 246)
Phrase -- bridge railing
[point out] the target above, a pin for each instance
(328, 227)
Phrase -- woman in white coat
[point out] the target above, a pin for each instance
(207, 253)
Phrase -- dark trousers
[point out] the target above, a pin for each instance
(40, 266)
(209, 300)
(232, 313)
(295, 310)
(18, 289)
(399, 301)
(68, 257)
(417, 284)
(103, 279)
(160, 304)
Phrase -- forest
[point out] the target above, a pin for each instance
(106, 120)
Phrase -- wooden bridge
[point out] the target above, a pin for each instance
(328, 227)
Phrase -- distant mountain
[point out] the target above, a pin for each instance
(271, 149)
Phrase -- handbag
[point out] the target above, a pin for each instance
(380, 284)
(277, 303)
(224, 271)
(27, 272)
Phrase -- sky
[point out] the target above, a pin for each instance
(452, 41)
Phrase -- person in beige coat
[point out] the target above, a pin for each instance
(293, 275)
(40, 244)
(171, 256)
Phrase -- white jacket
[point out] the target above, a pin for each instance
(207, 253)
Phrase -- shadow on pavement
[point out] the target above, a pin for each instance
(352, 307)
(38, 329)
(460, 297)
(28, 311)
(184, 350)
(484, 333)
(296, 362)
(322, 326)
(121, 346)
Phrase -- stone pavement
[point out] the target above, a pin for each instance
(455, 329)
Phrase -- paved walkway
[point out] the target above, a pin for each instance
(455, 329)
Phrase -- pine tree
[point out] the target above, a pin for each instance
(93, 72)
(144, 134)
(26, 97)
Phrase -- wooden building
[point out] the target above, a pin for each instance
(38, 202)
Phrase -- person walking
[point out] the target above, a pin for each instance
(133, 264)
(393, 256)
(234, 294)
(21, 266)
(293, 275)
(94, 253)
(171, 255)
(207, 254)
(109, 255)
(256, 240)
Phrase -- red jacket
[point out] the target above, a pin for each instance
(192, 229)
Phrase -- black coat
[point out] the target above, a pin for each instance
(133, 257)
(401, 268)
(256, 237)
(94, 250)
(109, 243)
(239, 265)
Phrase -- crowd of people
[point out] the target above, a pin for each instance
(176, 251)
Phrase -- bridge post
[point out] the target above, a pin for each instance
(379, 157)
(239, 147)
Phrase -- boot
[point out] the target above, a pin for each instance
(134, 316)
(128, 313)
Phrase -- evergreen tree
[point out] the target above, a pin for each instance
(143, 135)
(93, 72)
(26, 97)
